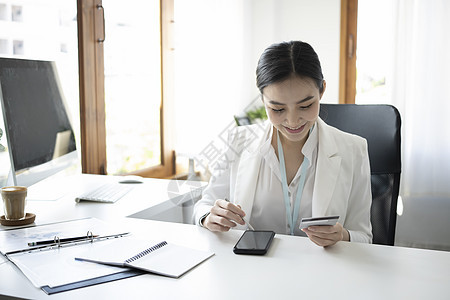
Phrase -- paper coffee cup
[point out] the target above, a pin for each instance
(14, 201)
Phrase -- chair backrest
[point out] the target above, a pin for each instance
(380, 126)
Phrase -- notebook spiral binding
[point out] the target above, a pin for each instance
(146, 251)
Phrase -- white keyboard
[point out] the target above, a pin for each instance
(109, 193)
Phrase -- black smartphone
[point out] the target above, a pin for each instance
(254, 242)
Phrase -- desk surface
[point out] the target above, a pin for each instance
(293, 267)
(146, 200)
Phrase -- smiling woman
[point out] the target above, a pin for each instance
(284, 170)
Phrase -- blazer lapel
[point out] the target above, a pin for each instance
(327, 171)
(248, 168)
(246, 179)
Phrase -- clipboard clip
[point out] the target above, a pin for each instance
(57, 241)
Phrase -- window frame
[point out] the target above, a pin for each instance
(91, 34)
(347, 61)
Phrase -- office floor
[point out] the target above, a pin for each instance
(425, 224)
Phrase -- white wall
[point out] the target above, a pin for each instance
(218, 44)
(314, 22)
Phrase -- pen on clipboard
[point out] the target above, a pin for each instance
(54, 241)
(244, 219)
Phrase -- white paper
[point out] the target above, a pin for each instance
(170, 260)
(58, 266)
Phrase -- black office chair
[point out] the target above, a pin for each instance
(380, 126)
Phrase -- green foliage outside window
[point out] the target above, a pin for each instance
(257, 113)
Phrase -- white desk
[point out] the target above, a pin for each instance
(293, 267)
(156, 199)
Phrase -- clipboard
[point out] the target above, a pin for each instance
(55, 256)
(89, 282)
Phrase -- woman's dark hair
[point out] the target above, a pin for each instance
(279, 61)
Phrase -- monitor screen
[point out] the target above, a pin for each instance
(36, 120)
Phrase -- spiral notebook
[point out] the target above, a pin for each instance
(161, 258)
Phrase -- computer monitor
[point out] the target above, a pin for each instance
(39, 133)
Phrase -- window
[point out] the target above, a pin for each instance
(347, 69)
(124, 49)
(4, 47)
(132, 57)
(374, 52)
(125, 70)
(365, 70)
(3, 12)
(18, 47)
(16, 13)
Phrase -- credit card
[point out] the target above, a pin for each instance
(317, 221)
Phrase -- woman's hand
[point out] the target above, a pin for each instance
(223, 216)
(327, 235)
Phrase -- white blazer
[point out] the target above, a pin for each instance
(341, 186)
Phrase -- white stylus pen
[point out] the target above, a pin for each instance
(244, 219)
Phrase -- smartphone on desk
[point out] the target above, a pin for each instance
(255, 242)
